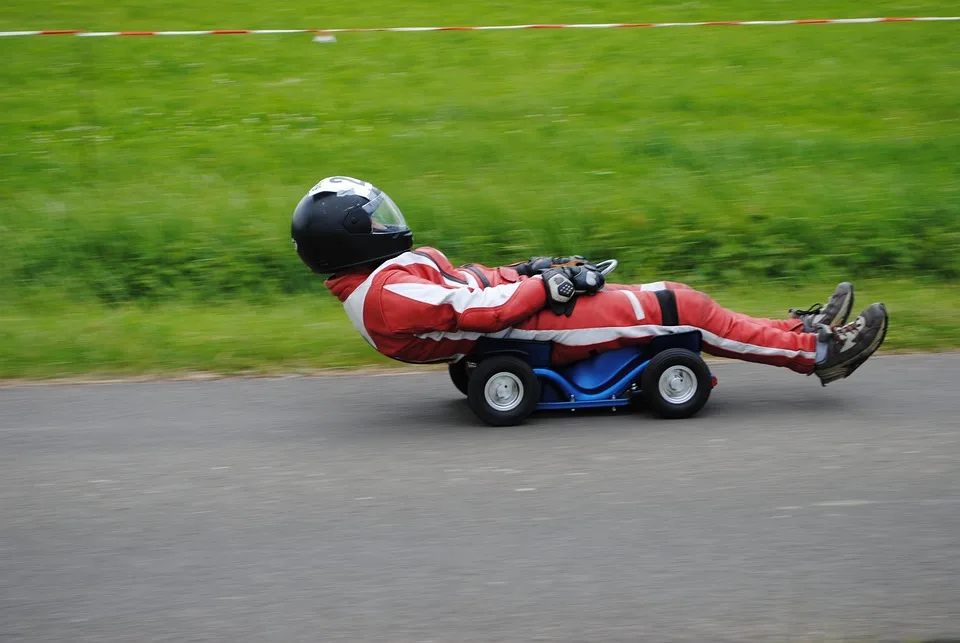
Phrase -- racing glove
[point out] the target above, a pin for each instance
(565, 284)
(536, 265)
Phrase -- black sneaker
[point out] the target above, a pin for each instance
(849, 346)
(834, 314)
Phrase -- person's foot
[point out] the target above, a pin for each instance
(849, 346)
(834, 314)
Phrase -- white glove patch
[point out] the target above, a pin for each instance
(561, 289)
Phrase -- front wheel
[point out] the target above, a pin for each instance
(676, 383)
(503, 391)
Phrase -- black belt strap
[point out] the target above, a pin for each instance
(668, 307)
(482, 277)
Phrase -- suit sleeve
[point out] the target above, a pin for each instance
(412, 305)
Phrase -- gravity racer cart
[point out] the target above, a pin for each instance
(505, 380)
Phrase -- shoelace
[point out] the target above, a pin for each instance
(848, 331)
(813, 310)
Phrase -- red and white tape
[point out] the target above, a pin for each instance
(610, 25)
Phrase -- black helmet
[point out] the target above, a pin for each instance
(344, 222)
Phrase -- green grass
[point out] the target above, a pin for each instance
(101, 15)
(147, 184)
(305, 333)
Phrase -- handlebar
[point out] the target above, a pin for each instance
(608, 266)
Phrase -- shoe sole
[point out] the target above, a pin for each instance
(845, 309)
(845, 370)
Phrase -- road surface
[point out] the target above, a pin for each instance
(376, 508)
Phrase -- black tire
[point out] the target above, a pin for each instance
(459, 376)
(683, 363)
(514, 374)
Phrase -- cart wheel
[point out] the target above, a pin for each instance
(676, 384)
(458, 375)
(503, 391)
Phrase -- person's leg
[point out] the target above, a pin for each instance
(789, 325)
(831, 353)
(834, 314)
(622, 316)
(738, 336)
(792, 325)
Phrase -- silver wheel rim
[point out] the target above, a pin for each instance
(503, 392)
(678, 385)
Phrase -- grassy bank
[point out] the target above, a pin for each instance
(306, 333)
(167, 168)
(147, 184)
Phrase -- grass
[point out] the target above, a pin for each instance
(306, 333)
(147, 184)
(189, 14)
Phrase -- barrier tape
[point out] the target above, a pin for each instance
(326, 34)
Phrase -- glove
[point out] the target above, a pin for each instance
(564, 284)
(537, 265)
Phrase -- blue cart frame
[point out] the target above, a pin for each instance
(605, 380)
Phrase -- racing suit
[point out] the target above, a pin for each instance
(419, 308)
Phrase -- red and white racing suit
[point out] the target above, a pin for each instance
(419, 308)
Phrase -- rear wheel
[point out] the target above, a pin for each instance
(503, 391)
(459, 375)
(676, 384)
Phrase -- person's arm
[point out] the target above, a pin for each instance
(412, 305)
(409, 304)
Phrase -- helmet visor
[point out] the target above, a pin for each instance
(385, 216)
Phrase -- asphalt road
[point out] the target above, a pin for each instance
(378, 509)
